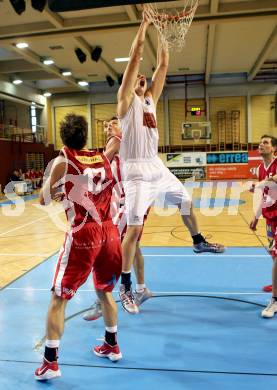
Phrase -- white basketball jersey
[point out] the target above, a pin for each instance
(140, 135)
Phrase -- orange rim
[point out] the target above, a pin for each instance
(174, 18)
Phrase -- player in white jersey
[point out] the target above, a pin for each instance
(142, 293)
(144, 174)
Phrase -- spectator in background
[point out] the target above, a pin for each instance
(40, 175)
(21, 175)
(38, 179)
(33, 178)
(27, 175)
(27, 179)
(15, 176)
(19, 185)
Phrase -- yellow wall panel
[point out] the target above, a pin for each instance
(60, 113)
(160, 120)
(101, 112)
(228, 104)
(263, 116)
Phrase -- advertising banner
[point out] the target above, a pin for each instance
(183, 173)
(227, 158)
(186, 159)
(214, 165)
(228, 172)
(234, 170)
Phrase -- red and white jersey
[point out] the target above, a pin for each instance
(140, 137)
(115, 165)
(118, 196)
(88, 185)
(269, 205)
(118, 210)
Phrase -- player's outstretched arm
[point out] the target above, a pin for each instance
(49, 190)
(112, 148)
(126, 90)
(159, 75)
(258, 212)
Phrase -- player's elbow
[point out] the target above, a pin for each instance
(163, 65)
(120, 94)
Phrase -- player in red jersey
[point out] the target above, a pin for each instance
(267, 175)
(142, 293)
(92, 243)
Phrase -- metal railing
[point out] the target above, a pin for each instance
(19, 134)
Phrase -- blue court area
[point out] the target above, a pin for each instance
(202, 330)
(14, 199)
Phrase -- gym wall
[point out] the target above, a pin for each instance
(261, 118)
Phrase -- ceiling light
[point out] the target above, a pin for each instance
(47, 94)
(66, 73)
(83, 83)
(124, 59)
(22, 45)
(17, 81)
(48, 61)
(18, 5)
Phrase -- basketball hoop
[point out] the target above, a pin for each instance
(171, 24)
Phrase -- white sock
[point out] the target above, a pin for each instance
(111, 329)
(52, 343)
(140, 287)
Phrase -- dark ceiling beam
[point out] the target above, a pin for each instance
(122, 21)
(272, 40)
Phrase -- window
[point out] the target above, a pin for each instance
(33, 114)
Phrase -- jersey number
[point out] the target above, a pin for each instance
(100, 175)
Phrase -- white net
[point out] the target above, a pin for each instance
(172, 24)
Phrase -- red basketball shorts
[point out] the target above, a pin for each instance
(93, 248)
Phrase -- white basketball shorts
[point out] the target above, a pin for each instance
(144, 182)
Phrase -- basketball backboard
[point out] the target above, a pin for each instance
(199, 130)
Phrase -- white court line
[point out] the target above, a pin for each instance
(24, 225)
(154, 292)
(201, 255)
